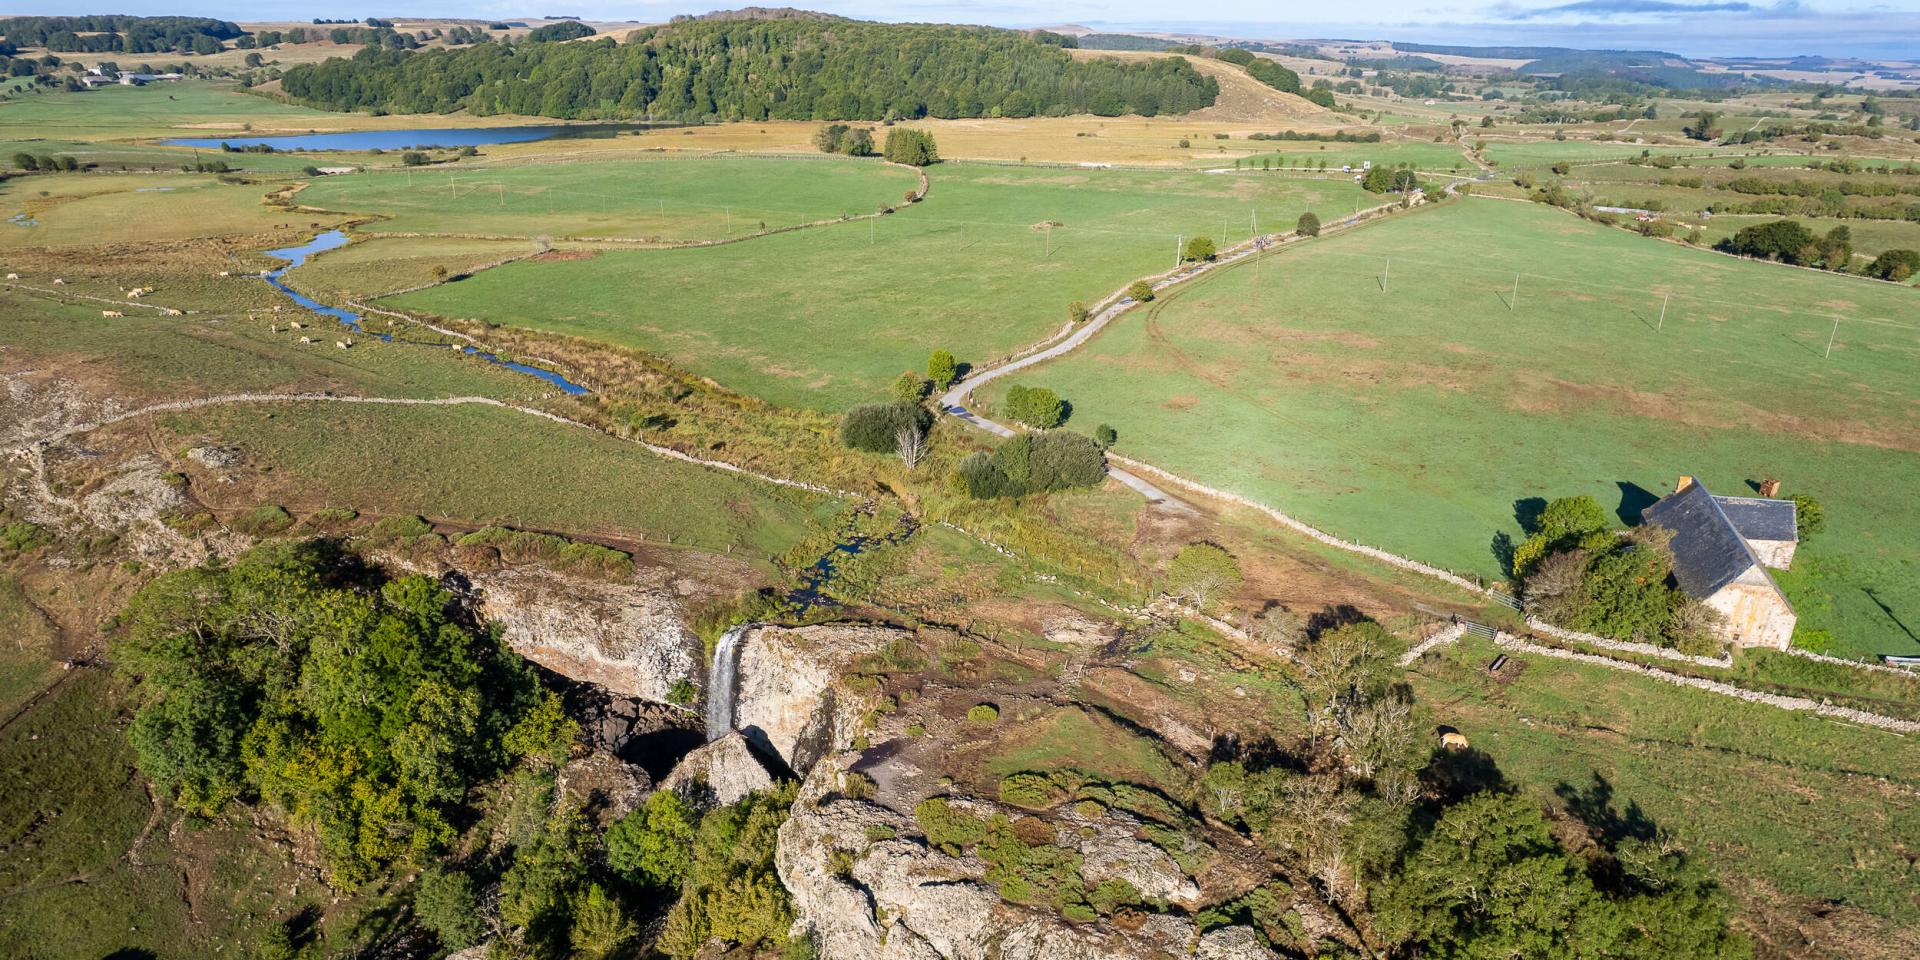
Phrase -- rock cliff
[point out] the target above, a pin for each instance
(788, 703)
(895, 898)
(631, 639)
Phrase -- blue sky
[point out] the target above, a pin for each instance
(1888, 28)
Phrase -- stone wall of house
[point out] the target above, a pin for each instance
(1777, 554)
(1756, 615)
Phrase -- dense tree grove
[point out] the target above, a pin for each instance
(119, 34)
(359, 707)
(914, 148)
(875, 427)
(795, 69)
(564, 30)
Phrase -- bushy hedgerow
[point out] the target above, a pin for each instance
(1034, 463)
(875, 427)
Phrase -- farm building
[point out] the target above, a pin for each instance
(1721, 549)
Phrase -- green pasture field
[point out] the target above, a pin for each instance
(481, 465)
(189, 108)
(376, 266)
(1402, 404)
(708, 198)
(139, 157)
(75, 209)
(185, 108)
(93, 870)
(827, 317)
(1541, 153)
(1768, 798)
(146, 357)
(1424, 155)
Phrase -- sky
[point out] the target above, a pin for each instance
(1835, 28)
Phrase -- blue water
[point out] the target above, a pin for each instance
(405, 139)
(334, 240)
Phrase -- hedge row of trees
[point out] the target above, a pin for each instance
(813, 69)
(1789, 241)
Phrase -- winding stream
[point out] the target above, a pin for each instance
(334, 240)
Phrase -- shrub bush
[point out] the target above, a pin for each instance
(875, 427)
(1034, 791)
(1309, 225)
(1035, 406)
(263, 521)
(983, 713)
(1141, 291)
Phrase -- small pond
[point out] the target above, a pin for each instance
(334, 240)
(405, 139)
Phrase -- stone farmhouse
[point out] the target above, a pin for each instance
(1722, 547)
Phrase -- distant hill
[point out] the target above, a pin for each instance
(777, 65)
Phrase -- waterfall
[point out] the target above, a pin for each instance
(723, 683)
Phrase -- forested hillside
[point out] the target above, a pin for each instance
(811, 69)
(121, 34)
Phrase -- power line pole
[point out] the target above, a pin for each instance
(1516, 293)
(1830, 336)
(1386, 273)
(1178, 238)
(1663, 312)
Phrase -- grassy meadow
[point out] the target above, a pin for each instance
(189, 108)
(1423, 154)
(483, 465)
(1777, 803)
(1405, 405)
(826, 317)
(706, 198)
(77, 210)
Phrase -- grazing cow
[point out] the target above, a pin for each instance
(1454, 740)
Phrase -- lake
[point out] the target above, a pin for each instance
(404, 139)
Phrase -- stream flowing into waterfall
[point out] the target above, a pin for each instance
(723, 682)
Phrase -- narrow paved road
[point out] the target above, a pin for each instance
(953, 402)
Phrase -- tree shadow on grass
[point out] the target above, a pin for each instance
(1527, 512)
(1593, 806)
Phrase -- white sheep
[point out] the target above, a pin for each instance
(341, 344)
(306, 339)
(111, 313)
(59, 282)
(296, 325)
(225, 273)
(171, 312)
(13, 276)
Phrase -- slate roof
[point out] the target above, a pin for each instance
(1758, 519)
(1708, 552)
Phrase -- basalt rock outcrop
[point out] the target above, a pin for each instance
(789, 702)
(631, 639)
(729, 768)
(896, 898)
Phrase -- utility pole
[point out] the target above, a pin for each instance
(1178, 238)
(1516, 294)
(503, 193)
(1386, 273)
(1830, 336)
(730, 222)
(1663, 312)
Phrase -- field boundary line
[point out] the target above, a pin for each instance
(1507, 641)
(65, 295)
